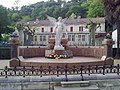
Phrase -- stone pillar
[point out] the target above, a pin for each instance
(108, 47)
(51, 43)
(14, 42)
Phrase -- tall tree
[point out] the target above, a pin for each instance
(26, 10)
(93, 26)
(16, 4)
(94, 8)
(4, 20)
(112, 13)
(15, 17)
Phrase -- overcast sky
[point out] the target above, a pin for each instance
(10, 3)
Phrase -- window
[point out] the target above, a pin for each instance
(44, 38)
(83, 37)
(53, 36)
(71, 29)
(79, 37)
(80, 28)
(51, 29)
(63, 35)
(35, 38)
(73, 37)
(40, 38)
(42, 29)
(69, 37)
(49, 36)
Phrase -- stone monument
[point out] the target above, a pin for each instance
(58, 29)
(14, 42)
(58, 45)
(108, 42)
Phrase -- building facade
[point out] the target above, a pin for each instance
(76, 31)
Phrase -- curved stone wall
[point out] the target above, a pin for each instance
(83, 51)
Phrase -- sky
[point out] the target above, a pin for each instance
(10, 3)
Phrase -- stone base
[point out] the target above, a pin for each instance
(59, 48)
(51, 43)
(59, 52)
(108, 42)
(14, 62)
(109, 59)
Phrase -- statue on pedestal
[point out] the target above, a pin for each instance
(59, 29)
(15, 33)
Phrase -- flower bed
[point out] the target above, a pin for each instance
(56, 56)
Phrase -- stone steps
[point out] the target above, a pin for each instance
(91, 87)
(75, 84)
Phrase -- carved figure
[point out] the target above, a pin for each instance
(59, 28)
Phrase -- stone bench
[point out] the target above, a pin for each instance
(21, 58)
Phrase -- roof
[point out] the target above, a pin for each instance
(68, 21)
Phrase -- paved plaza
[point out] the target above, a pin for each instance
(4, 63)
(69, 60)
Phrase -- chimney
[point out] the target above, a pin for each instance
(37, 21)
(78, 18)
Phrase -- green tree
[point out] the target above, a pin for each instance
(56, 12)
(53, 8)
(4, 20)
(72, 16)
(94, 8)
(5, 37)
(37, 9)
(112, 14)
(26, 18)
(42, 15)
(73, 9)
(16, 4)
(76, 8)
(92, 28)
(26, 11)
(15, 17)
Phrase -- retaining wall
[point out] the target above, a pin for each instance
(39, 51)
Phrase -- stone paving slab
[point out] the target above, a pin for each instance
(4, 63)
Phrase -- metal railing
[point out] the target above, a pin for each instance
(43, 71)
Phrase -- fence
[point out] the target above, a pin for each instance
(40, 71)
(5, 53)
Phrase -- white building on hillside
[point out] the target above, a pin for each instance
(78, 34)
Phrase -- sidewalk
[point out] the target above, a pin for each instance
(4, 63)
(116, 61)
